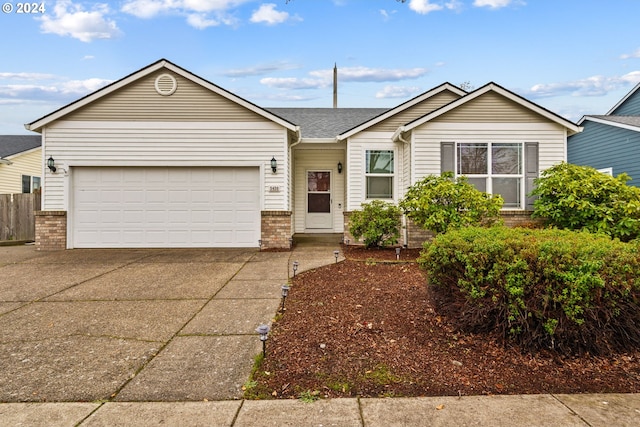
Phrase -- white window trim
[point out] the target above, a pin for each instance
(489, 182)
(394, 175)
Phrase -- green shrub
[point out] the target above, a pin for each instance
(581, 198)
(572, 291)
(440, 203)
(378, 223)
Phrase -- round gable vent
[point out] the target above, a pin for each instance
(166, 84)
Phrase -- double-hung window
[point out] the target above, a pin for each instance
(30, 183)
(495, 168)
(379, 174)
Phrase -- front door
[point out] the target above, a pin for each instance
(319, 200)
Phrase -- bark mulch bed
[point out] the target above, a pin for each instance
(368, 327)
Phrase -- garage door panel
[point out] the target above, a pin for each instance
(165, 207)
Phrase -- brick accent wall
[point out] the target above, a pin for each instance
(417, 235)
(51, 230)
(520, 219)
(276, 230)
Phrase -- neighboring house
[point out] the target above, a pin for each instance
(164, 158)
(611, 143)
(20, 163)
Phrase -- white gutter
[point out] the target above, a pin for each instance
(299, 135)
(397, 135)
(5, 162)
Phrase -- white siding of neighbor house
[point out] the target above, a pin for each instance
(318, 157)
(140, 143)
(357, 146)
(427, 138)
(29, 163)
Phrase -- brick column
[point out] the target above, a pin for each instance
(276, 229)
(51, 230)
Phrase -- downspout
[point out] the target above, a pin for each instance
(397, 136)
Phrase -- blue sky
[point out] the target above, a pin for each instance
(573, 57)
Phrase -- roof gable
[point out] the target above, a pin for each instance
(625, 122)
(629, 104)
(428, 100)
(490, 103)
(114, 94)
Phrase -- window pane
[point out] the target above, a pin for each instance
(509, 189)
(379, 187)
(26, 183)
(472, 159)
(319, 181)
(479, 183)
(379, 161)
(36, 183)
(506, 159)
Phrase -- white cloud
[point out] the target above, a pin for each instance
(72, 20)
(200, 21)
(267, 14)
(25, 76)
(259, 70)
(366, 74)
(635, 54)
(294, 83)
(48, 90)
(492, 4)
(424, 6)
(398, 92)
(200, 14)
(590, 86)
(386, 15)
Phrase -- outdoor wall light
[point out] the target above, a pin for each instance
(274, 165)
(285, 293)
(398, 253)
(295, 268)
(51, 164)
(263, 330)
(335, 254)
(339, 167)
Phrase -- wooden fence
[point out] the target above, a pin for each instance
(17, 216)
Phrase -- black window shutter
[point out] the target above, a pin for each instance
(531, 159)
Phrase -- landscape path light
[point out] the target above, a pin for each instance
(398, 252)
(285, 293)
(335, 254)
(295, 268)
(263, 330)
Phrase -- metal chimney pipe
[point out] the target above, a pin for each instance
(335, 85)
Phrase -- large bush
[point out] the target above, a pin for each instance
(572, 291)
(438, 203)
(581, 198)
(378, 223)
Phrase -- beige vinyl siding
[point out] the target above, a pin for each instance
(416, 111)
(318, 157)
(29, 163)
(491, 108)
(167, 144)
(357, 146)
(140, 101)
(427, 138)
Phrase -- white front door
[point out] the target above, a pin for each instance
(319, 215)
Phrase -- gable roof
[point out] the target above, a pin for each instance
(404, 106)
(326, 123)
(624, 122)
(10, 145)
(622, 101)
(38, 124)
(490, 87)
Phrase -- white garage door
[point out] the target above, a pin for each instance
(165, 207)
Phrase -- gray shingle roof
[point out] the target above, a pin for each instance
(326, 122)
(625, 120)
(14, 144)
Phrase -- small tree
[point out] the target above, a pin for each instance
(378, 222)
(438, 203)
(581, 198)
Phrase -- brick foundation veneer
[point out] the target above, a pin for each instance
(520, 219)
(276, 230)
(51, 230)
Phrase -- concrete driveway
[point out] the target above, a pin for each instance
(133, 325)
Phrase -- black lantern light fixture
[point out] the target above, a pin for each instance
(51, 164)
(335, 254)
(285, 294)
(339, 167)
(274, 165)
(295, 267)
(263, 330)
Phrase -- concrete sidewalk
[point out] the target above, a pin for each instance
(606, 410)
(167, 337)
